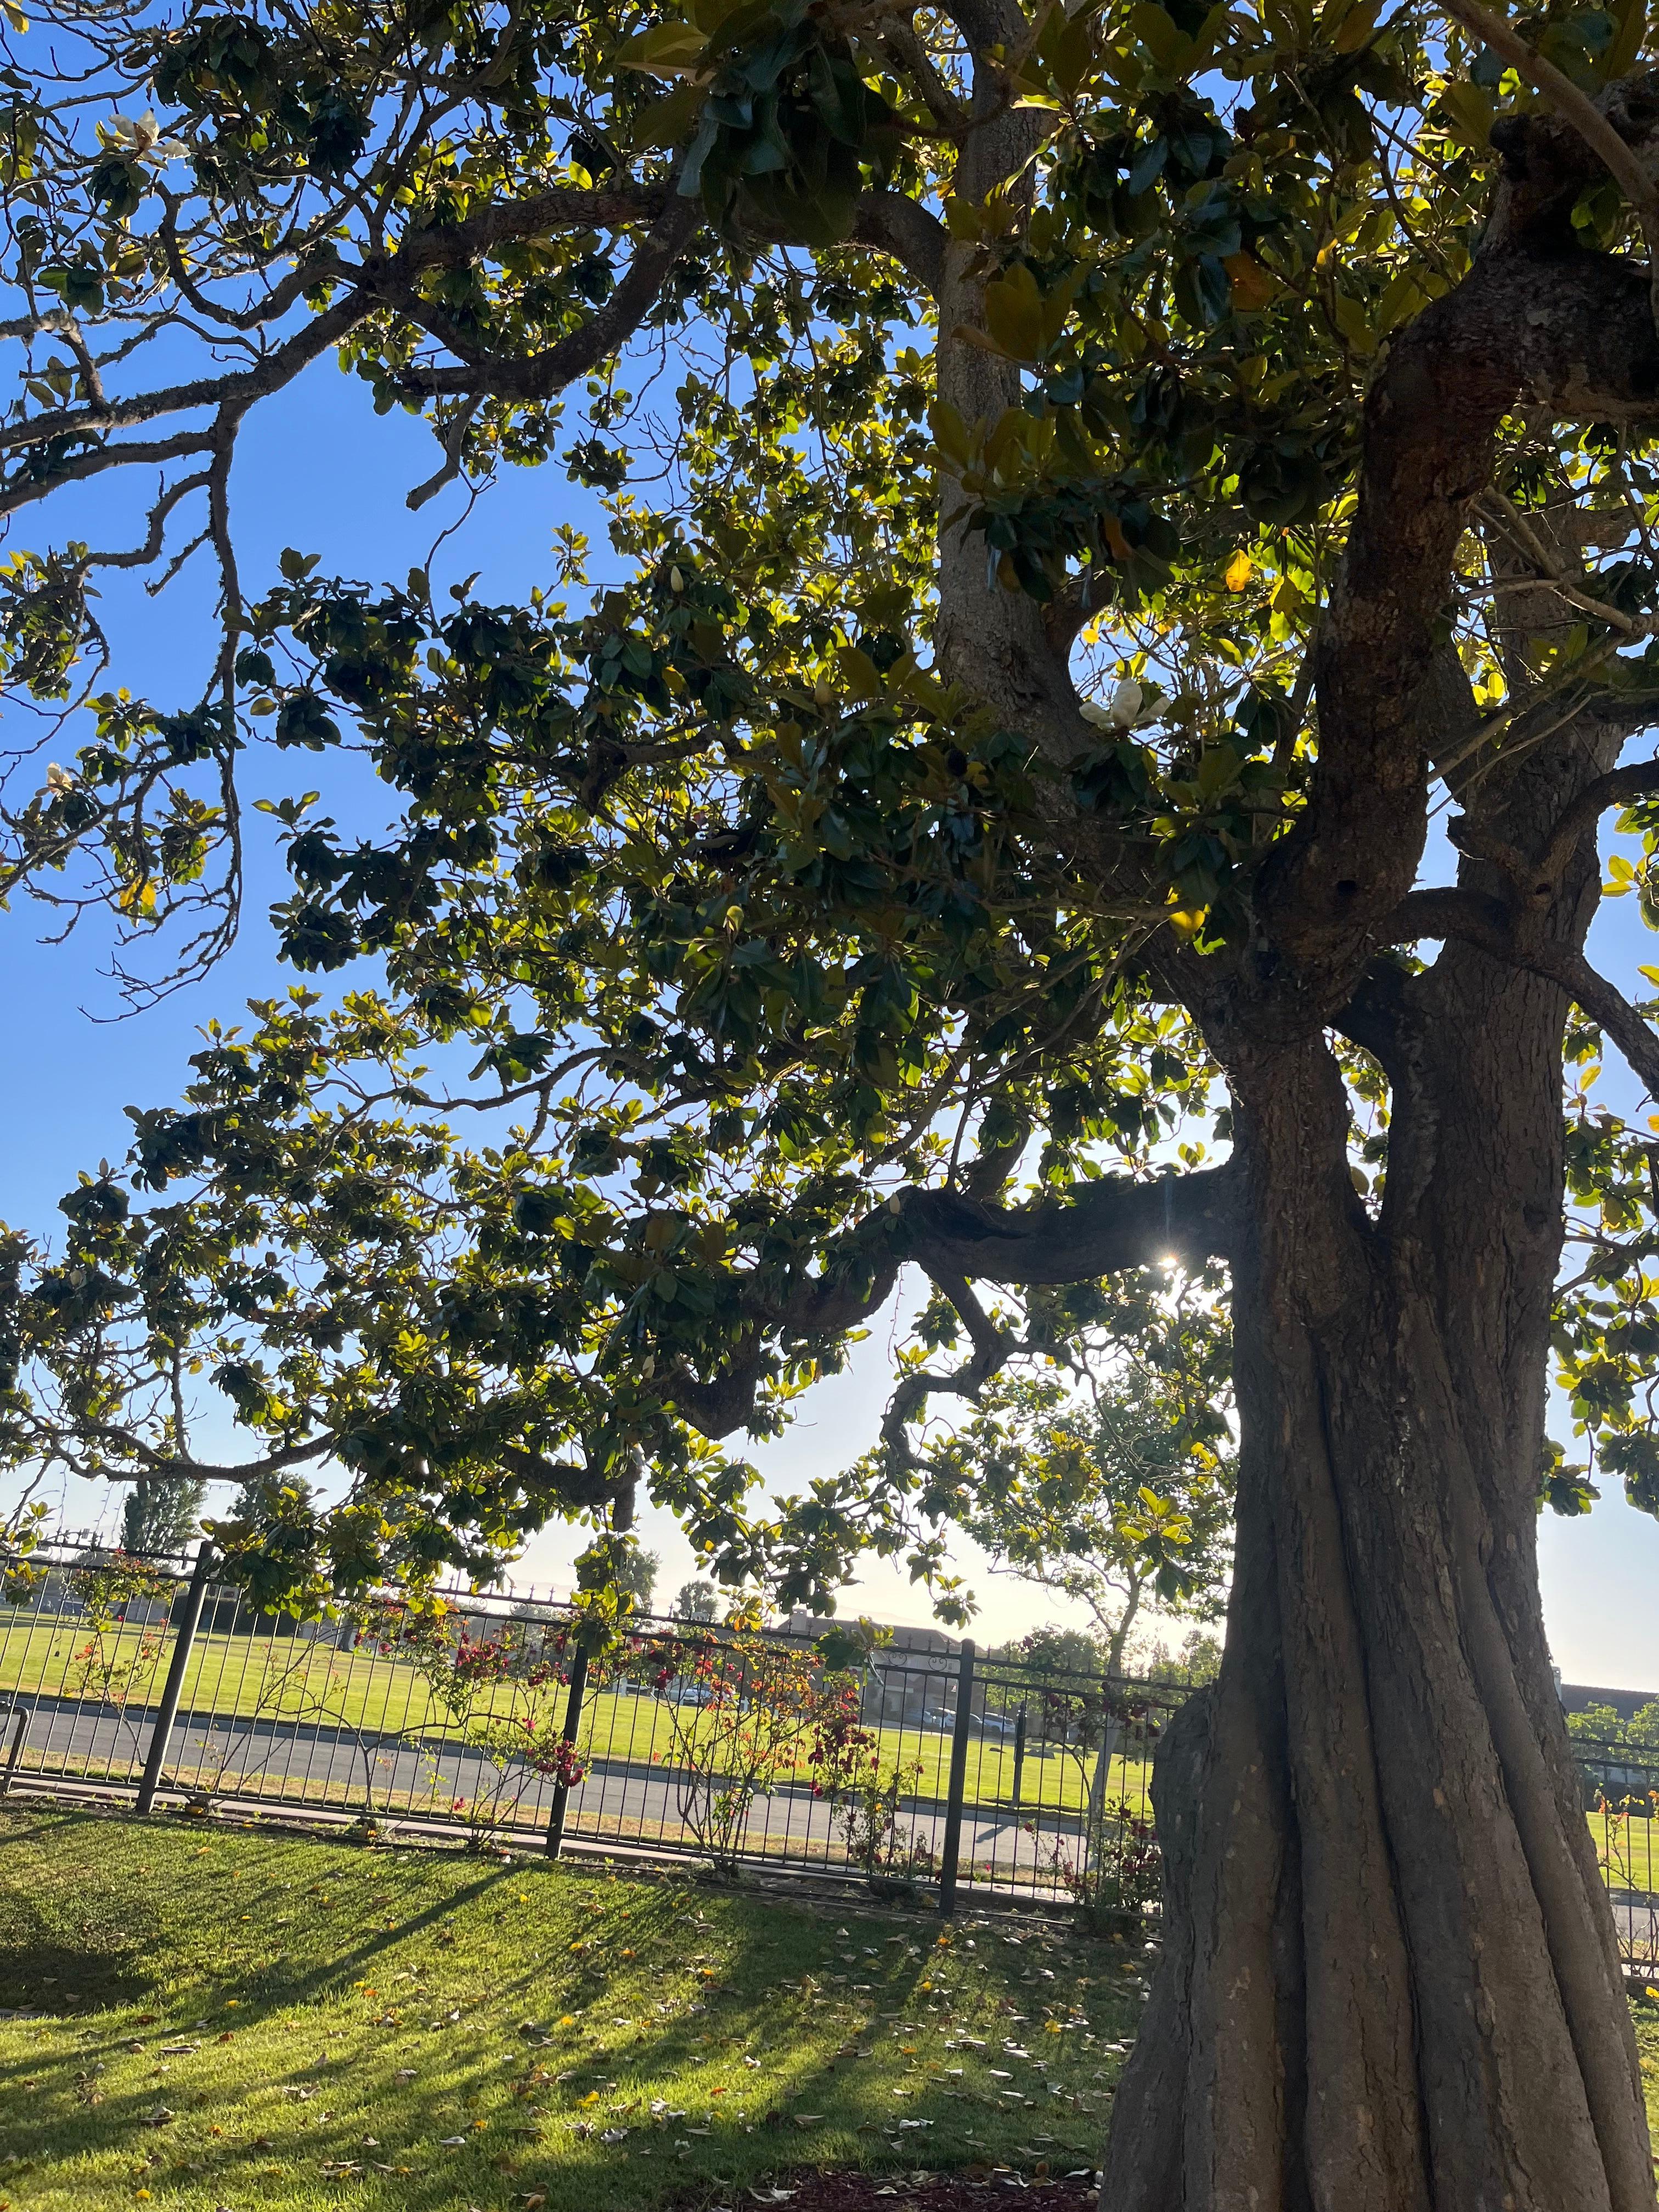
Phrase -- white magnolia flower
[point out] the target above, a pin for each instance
(58, 779)
(1120, 711)
(143, 138)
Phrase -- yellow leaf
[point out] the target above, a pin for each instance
(1240, 569)
(858, 673)
(665, 50)
(1013, 314)
(1254, 287)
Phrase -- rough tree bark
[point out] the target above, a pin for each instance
(1391, 1980)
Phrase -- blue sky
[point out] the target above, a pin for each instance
(317, 470)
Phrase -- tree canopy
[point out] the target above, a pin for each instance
(1082, 485)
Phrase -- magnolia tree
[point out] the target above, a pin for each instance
(1086, 487)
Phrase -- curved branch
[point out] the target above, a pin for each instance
(1620, 786)
(1483, 922)
(1602, 1002)
(1574, 333)
(891, 222)
(369, 284)
(1573, 106)
(543, 375)
(1116, 1223)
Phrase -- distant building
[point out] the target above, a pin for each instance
(1579, 1697)
(912, 1679)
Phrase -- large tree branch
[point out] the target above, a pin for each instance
(892, 222)
(1572, 334)
(541, 375)
(1116, 1223)
(1487, 923)
(1620, 786)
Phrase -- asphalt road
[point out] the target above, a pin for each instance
(618, 1800)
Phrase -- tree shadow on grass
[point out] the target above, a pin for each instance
(46, 1965)
(496, 2013)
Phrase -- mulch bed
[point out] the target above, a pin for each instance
(972, 2192)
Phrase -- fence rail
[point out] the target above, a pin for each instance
(914, 1769)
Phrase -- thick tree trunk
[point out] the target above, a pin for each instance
(1390, 1981)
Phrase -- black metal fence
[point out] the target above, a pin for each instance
(917, 1769)
(1620, 1787)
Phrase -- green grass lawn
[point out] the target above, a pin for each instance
(242, 2019)
(278, 1678)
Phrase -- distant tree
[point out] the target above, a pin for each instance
(1198, 1661)
(1109, 1480)
(1605, 1725)
(615, 1576)
(697, 1601)
(1052, 1649)
(260, 1495)
(162, 1513)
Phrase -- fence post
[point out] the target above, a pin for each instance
(16, 1751)
(1019, 1754)
(947, 1873)
(195, 1592)
(573, 1720)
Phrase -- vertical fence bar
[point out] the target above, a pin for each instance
(16, 1751)
(573, 1720)
(947, 1873)
(195, 1592)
